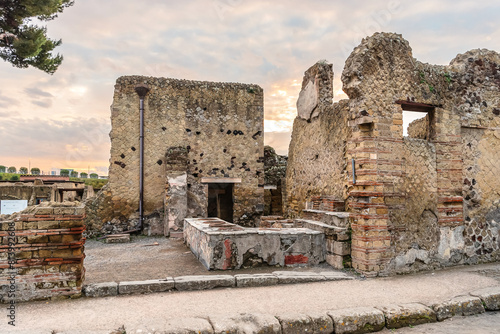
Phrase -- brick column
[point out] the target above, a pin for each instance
(449, 164)
(48, 248)
(376, 148)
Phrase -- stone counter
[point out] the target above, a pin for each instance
(220, 245)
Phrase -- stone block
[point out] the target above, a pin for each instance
(183, 283)
(149, 286)
(461, 305)
(357, 320)
(246, 323)
(45, 225)
(413, 314)
(322, 323)
(117, 238)
(175, 326)
(245, 280)
(295, 324)
(101, 289)
(490, 297)
(338, 247)
(294, 277)
(44, 211)
(336, 261)
(335, 276)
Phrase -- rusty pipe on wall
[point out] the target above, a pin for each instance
(142, 91)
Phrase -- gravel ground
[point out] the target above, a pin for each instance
(154, 258)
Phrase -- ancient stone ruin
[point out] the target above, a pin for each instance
(365, 195)
(203, 156)
(419, 202)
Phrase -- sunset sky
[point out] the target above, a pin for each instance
(63, 121)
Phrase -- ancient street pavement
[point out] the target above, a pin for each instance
(156, 311)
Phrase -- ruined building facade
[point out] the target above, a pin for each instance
(203, 155)
(423, 201)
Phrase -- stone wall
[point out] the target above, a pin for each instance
(42, 252)
(316, 155)
(220, 125)
(422, 202)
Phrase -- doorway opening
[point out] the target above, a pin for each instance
(220, 201)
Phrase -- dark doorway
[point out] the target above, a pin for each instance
(220, 201)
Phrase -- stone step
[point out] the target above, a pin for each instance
(339, 219)
(340, 233)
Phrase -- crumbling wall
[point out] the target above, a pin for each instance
(219, 124)
(316, 155)
(274, 172)
(425, 201)
(381, 79)
(29, 192)
(42, 252)
(419, 128)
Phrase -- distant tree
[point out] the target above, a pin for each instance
(74, 173)
(94, 176)
(64, 172)
(23, 43)
(35, 171)
(3, 169)
(23, 170)
(84, 175)
(12, 169)
(14, 178)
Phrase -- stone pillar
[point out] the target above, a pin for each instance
(176, 189)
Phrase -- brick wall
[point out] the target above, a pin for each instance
(47, 244)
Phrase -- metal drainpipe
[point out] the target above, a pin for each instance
(142, 91)
(353, 171)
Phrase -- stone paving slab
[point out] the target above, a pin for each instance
(183, 283)
(397, 316)
(490, 297)
(461, 305)
(357, 320)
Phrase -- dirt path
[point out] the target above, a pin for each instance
(152, 258)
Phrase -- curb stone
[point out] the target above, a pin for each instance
(101, 289)
(357, 320)
(461, 305)
(202, 282)
(187, 283)
(295, 324)
(490, 297)
(246, 280)
(397, 316)
(158, 285)
(353, 320)
(177, 326)
(246, 323)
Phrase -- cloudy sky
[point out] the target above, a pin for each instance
(62, 121)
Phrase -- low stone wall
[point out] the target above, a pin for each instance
(41, 253)
(220, 245)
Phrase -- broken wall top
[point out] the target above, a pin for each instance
(382, 70)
